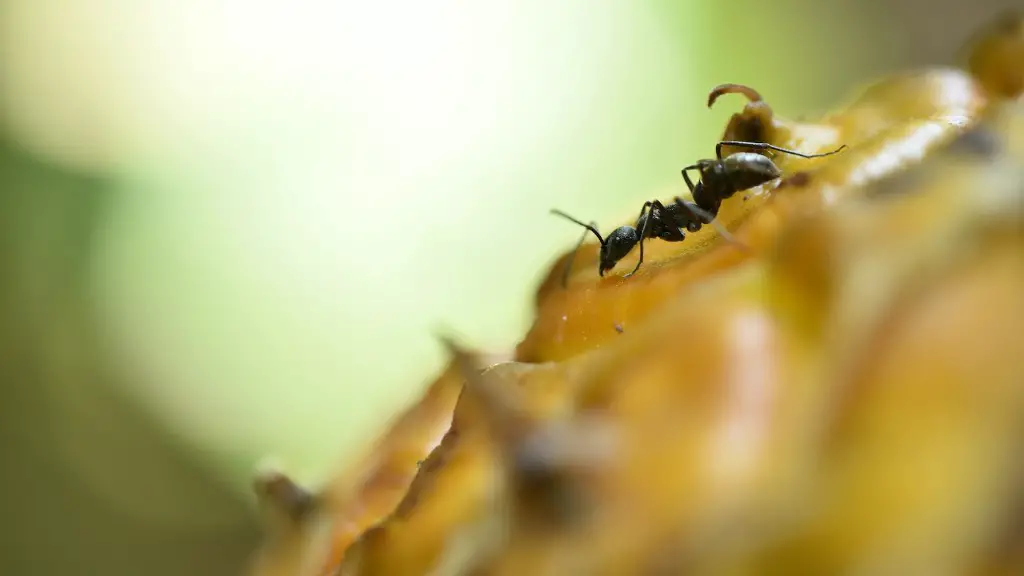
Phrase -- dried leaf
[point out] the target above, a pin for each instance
(841, 392)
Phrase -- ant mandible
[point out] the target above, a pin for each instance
(719, 178)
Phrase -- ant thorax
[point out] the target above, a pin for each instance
(663, 222)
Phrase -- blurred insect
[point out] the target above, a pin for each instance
(719, 178)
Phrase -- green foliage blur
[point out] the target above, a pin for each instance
(230, 229)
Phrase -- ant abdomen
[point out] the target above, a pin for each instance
(744, 170)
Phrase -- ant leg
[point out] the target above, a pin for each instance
(701, 196)
(698, 213)
(643, 233)
(568, 265)
(766, 146)
(710, 218)
(686, 177)
(642, 210)
(592, 227)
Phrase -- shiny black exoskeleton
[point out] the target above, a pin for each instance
(719, 178)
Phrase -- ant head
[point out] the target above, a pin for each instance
(616, 246)
(613, 248)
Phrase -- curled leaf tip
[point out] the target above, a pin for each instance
(722, 89)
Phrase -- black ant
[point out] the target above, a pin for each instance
(720, 178)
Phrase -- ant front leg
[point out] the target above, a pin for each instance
(766, 146)
(703, 198)
(643, 232)
(686, 177)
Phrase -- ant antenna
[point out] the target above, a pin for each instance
(592, 227)
(568, 265)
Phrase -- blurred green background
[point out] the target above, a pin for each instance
(229, 229)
